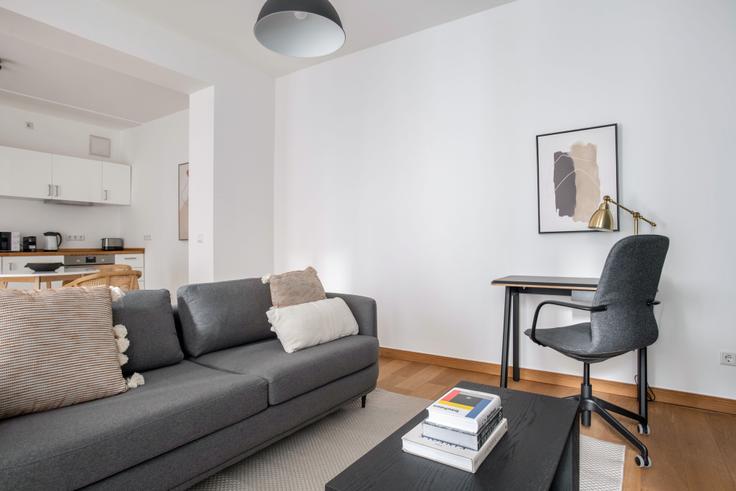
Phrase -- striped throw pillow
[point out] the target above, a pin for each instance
(57, 348)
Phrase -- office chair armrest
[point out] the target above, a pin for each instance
(588, 308)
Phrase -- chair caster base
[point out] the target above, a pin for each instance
(644, 429)
(641, 463)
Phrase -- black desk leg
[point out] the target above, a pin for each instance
(505, 347)
(515, 301)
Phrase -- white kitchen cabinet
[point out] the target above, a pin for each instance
(77, 179)
(25, 173)
(16, 265)
(40, 175)
(135, 261)
(115, 183)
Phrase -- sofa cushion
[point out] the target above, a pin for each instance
(187, 465)
(295, 287)
(312, 323)
(148, 317)
(364, 310)
(220, 315)
(78, 445)
(292, 374)
(57, 348)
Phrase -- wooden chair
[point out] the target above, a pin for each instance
(125, 278)
(113, 267)
(102, 267)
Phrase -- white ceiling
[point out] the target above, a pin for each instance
(50, 71)
(41, 79)
(228, 24)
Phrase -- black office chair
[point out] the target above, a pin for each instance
(621, 320)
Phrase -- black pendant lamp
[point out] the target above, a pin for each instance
(300, 28)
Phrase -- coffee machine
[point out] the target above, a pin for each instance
(29, 243)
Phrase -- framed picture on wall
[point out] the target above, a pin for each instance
(184, 201)
(575, 169)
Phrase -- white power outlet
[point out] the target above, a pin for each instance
(728, 358)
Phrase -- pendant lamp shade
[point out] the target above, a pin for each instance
(300, 28)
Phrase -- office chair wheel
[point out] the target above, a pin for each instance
(644, 430)
(640, 462)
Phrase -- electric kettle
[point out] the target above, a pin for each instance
(51, 241)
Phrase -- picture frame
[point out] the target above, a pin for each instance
(575, 170)
(183, 186)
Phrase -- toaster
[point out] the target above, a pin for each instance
(112, 244)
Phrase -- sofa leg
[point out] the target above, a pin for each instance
(362, 401)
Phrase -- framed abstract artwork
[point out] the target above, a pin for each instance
(575, 169)
(184, 201)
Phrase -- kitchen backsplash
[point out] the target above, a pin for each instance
(35, 217)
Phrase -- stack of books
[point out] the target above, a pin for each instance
(461, 430)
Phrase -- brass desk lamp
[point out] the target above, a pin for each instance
(602, 218)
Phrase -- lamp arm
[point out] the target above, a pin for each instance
(648, 220)
(635, 214)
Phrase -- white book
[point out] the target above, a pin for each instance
(448, 454)
(463, 409)
(472, 441)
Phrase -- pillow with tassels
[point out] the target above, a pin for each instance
(58, 347)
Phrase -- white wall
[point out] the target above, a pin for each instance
(243, 179)
(407, 172)
(201, 185)
(66, 137)
(156, 149)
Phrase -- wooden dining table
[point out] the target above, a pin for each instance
(45, 278)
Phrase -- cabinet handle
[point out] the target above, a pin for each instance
(56, 187)
(51, 190)
(106, 193)
(11, 266)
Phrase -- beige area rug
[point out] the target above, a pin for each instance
(313, 456)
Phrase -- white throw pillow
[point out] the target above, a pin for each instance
(312, 323)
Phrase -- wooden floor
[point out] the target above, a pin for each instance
(691, 449)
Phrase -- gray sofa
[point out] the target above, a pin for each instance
(219, 387)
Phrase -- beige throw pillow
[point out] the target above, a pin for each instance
(57, 348)
(295, 287)
(312, 323)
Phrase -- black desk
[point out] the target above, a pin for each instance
(538, 285)
(540, 451)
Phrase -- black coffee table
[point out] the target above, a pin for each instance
(539, 452)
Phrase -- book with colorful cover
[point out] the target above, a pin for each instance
(445, 453)
(463, 409)
(465, 439)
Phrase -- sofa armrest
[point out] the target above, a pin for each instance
(364, 311)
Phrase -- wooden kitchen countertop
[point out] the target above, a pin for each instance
(74, 252)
